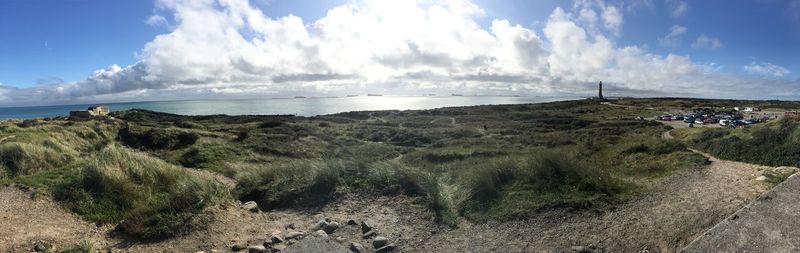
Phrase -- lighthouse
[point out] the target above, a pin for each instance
(600, 93)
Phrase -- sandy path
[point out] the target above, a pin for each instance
(25, 220)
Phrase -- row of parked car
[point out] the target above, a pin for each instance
(731, 120)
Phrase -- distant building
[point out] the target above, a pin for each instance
(92, 111)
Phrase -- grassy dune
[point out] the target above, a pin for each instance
(476, 163)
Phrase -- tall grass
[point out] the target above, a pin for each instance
(25, 158)
(512, 186)
(146, 196)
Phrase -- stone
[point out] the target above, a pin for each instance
(250, 206)
(279, 247)
(276, 239)
(340, 239)
(289, 226)
(331, 227)
(761, 178)
(352, 222)
(379, 241)
(581, 249)
(369, 234)
(295, 235)
(320, 225)
(238, 247)
(365, 227)
(257, 249)
(42, 247)
(321, 233)
(200, 251)
(357, 247)
(388, 248)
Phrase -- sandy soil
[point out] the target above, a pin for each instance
(664, 219)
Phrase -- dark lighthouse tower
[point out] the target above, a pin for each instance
(600, 94)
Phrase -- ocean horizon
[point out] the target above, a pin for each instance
(311, 106)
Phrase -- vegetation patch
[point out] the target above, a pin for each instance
(147, 197)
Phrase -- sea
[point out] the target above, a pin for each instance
(285, 106)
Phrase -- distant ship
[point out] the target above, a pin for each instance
(374, 95)
(456, 95)
(299, 97)
(352, 96)
(431, 95)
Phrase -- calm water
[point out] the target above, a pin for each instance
(296, 106)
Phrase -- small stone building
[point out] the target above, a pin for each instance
(92, 111)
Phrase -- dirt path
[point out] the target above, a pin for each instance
(25, 220)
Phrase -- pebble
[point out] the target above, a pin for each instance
(380, 241)
(295, 235)
(357, 247)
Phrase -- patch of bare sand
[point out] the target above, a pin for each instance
(25, 220)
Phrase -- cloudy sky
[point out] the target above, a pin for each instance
(56, 52)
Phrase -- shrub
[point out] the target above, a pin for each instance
(148, 197)
(156, 138)
(25, 159)
(270, 124)
(298, 182)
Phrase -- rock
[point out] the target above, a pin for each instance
(368, 234)
(379, 241)
(238, 247)
(365, 227)
(331, 227)
(279, 247)
(321, 233)
(288, 226)
(257, 249)
(352, 222)
(200, 251)
(276, 239)
(295, 235)
(42, 247)
(340, 239)
(761, 178)
(320, 225)
(581, 249)
(388, 248)
(357, 247)
(251, 206)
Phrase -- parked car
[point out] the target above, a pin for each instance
(709, 121)
(724, 122)
(699, 121)
(688, 120)
(678, 117)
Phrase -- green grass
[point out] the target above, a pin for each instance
(82, 247)
(146, 196)
(773, 144)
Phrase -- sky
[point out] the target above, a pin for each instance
(79, 51)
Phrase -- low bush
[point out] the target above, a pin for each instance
(146, 196)
(156, 138)
(297, 183)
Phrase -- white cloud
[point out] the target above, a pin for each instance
(679, 8)
(675, 36)
(707, 42)
(766, 69)
(230, 48)
(157, 21)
